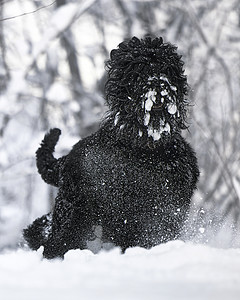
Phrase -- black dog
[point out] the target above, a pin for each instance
(133, 179)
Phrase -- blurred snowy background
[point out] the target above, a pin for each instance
(52, 74)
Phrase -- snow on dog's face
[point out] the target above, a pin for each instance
(146, 89)
(159, 107)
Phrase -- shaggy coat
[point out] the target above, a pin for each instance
(131, 182)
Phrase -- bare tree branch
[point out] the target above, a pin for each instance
(212, 48)
(27, 13)
(223, 163)
(50, 35)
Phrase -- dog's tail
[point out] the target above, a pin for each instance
(47, 165)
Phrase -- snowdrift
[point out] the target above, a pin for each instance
(175, 270)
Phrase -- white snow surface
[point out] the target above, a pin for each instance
(175, 270)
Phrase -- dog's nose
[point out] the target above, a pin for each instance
(157, 106)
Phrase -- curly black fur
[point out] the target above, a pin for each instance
(135, 176)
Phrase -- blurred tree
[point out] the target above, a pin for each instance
(4, 71)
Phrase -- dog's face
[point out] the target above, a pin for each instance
(156, 108)
(146, 90)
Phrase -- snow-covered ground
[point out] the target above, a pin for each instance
(175, 270)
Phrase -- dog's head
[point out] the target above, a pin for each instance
(146, 90)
